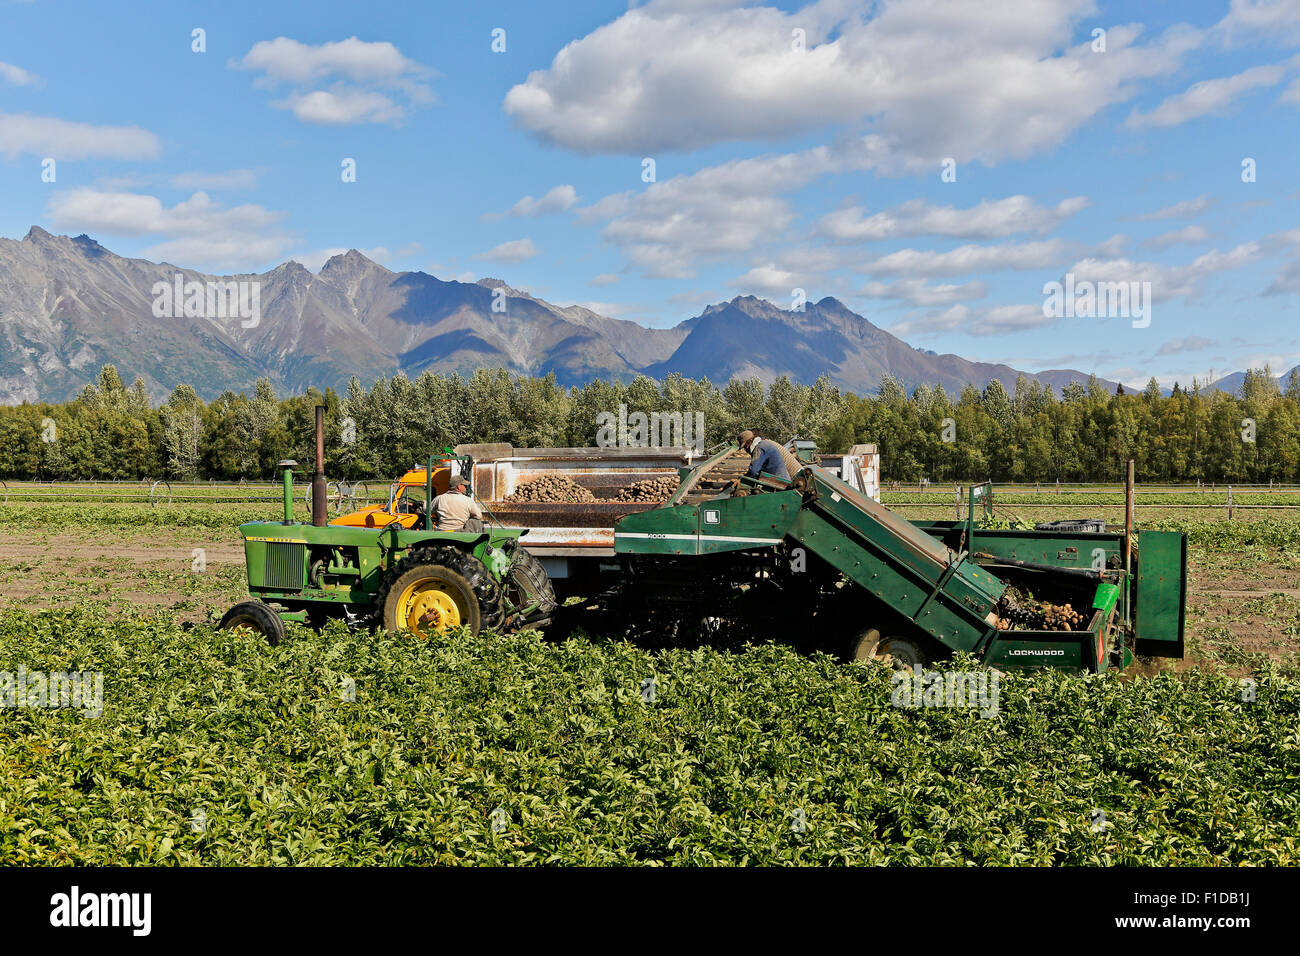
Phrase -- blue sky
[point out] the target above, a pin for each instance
(782, 160)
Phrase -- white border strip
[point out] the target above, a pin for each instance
(695, 537)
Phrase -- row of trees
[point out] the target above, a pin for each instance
(113, 431)
(110, 431)
(1083, 434)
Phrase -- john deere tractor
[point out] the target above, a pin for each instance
(394, 574)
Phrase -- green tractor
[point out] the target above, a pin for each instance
(414, 580)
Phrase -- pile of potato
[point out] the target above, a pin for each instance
(652, 489)
(551, 488)
(1027, 614)
(560, 488)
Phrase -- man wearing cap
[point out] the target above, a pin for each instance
(455, 508)
(766, 455)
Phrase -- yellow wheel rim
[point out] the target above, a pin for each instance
(425, 608)
(247, 627)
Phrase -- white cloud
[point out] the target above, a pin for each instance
(222, 252)
(1291, 94)
(669, 227)
(604, 279)
(17, 76)
(1187, 209)
(558, 199)
(1169, 282)
(342, 108)
(517, 250)
(134, 214)
(1192, 343)
(63, 139)
(990, 219)
(1188, 234)
(208, 236)
(1112, 248)
(992, 320)
(917, 292)
(1248, 19)
(284, 60)
(1287, 281)
(968, 259)
(771, 280)
(935, 78)
(360, 77)
(1207, 98)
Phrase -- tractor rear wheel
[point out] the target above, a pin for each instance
(256, 617)
(435, 589)
(528, 584)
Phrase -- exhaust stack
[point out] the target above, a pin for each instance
(319, 492)
(286, 470)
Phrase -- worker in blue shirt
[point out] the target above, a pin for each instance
(766, 454)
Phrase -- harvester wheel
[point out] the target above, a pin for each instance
(864, 645)
(256, 617)
(903, 651)
(435, 589)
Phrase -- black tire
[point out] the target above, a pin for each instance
(528, 583)
(459, 574)
(254, 616)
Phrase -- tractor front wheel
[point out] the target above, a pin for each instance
(256, 617)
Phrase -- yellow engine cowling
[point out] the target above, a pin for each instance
(379, 516)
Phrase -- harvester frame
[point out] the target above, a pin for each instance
(914, 591)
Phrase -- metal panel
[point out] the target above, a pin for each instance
(949, 607)
(285, 566)
(1160, 612)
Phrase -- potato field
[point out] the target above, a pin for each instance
(350, 747)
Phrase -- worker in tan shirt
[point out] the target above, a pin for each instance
(453, 509)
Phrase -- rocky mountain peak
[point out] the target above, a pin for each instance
(348, 263)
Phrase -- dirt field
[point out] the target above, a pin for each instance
(194, 573)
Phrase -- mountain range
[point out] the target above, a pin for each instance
(69, 305)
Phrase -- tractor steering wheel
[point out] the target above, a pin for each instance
(410, 506)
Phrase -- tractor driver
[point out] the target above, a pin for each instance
(455, 508)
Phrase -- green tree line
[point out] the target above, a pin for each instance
(113, 431)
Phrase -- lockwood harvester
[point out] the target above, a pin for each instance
(814, 560)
